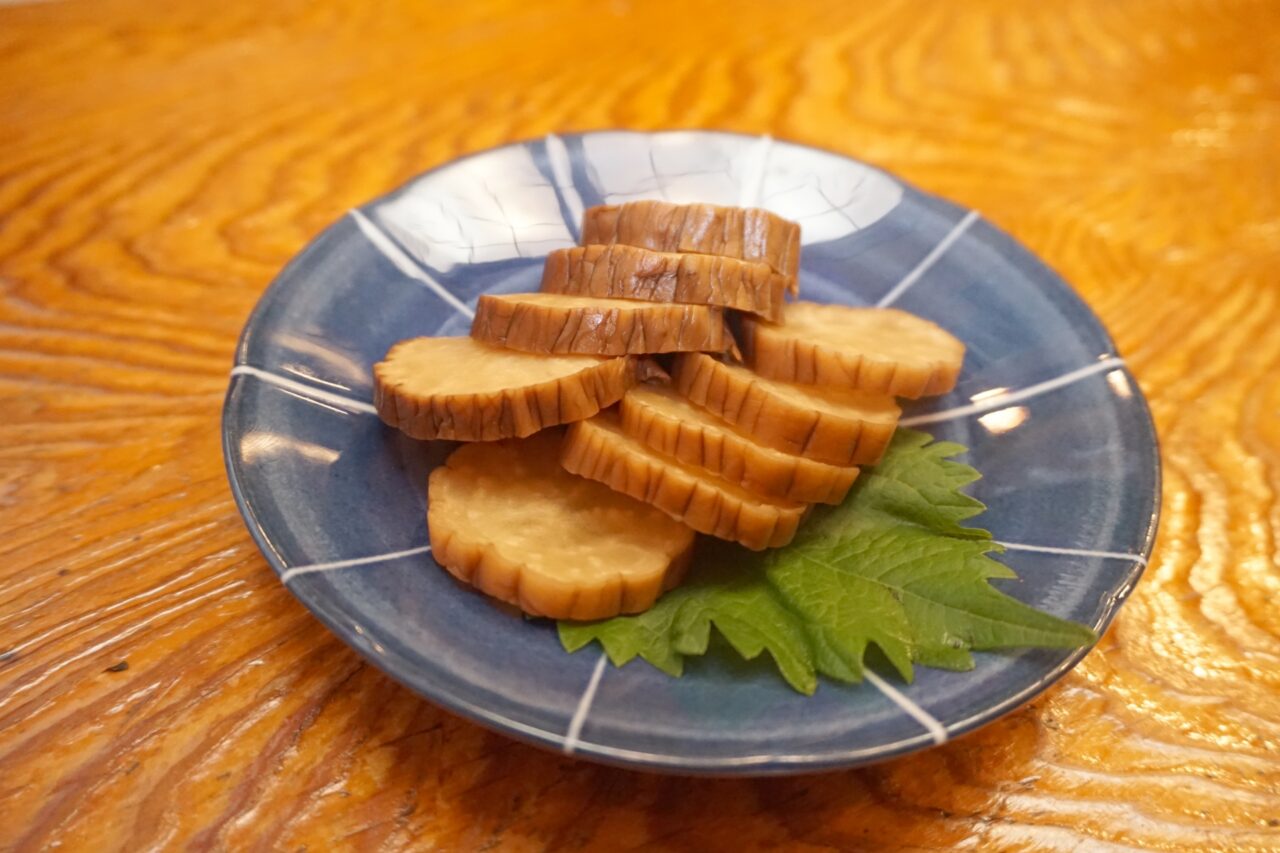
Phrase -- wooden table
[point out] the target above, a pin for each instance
(159, 162)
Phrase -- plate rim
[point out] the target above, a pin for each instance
(770, 764)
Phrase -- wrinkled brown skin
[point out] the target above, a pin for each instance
(598, 450)
(509, 413)
(481, 565)
(734, 456)
(749, 234)
(629, 272)
(778, 422)
(485, 570)
(773, 352)
(615, 327)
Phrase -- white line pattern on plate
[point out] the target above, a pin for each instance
(318, 394)
(929, 260)
(584, 706)
(753, 180)
(404, 263)
(936, 730)
(290, 574)
(562, 174)
(1016, 396)
(1074, 552)
(677, 759)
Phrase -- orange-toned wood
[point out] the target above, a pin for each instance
(160, 161)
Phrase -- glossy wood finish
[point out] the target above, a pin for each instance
(160, 162)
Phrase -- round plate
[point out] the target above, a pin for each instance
(337, 501)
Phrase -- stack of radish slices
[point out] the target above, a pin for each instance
(677, 424)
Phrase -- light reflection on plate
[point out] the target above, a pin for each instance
(1051, 417)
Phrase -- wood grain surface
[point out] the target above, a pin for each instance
(159, 162)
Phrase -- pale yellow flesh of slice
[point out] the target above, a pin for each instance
(556, 323)
(673, 426)
(509, 520)
(629, 272)
(873, 349)
(746, 233)
(464, 390)
(838, 426)
(599, 450)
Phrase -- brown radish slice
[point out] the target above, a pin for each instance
(628, 272)
(464, 390)
(745, 233)
(875, 349)
(839, 426)
(555, 323)
(672, 425)
(507, 519)
(598, 449)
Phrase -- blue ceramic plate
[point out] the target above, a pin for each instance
(337, 501)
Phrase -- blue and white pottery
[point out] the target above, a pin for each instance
(337, 501)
